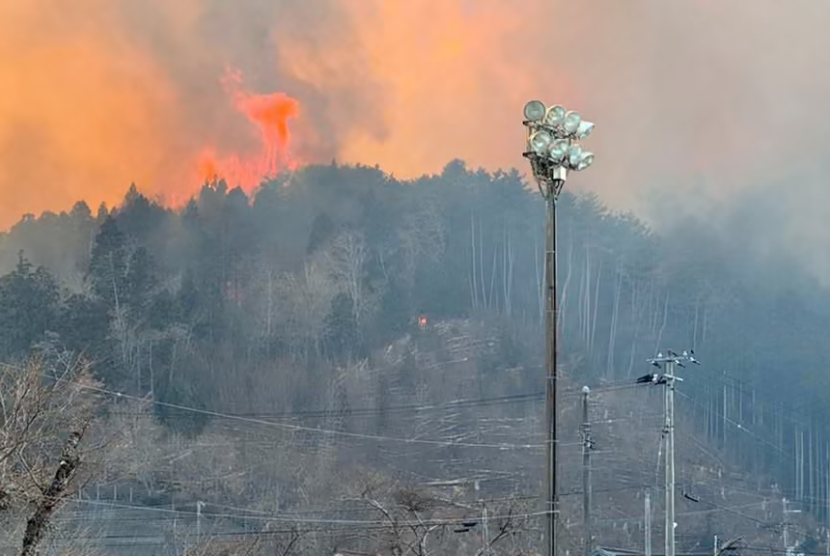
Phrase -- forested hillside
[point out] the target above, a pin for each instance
(301, 304)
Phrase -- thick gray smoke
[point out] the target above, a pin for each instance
(703, 108)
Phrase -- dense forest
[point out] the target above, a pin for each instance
(261, 305)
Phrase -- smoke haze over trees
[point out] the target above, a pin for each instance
(695, 121)
(303, 300)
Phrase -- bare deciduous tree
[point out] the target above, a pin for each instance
(306, 300)
(415, 522)
(422, 238)
(345, 260)
(45, 413)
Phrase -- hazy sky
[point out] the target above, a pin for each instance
(699, 104)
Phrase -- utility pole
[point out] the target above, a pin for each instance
(485, 525)
(199, 522)
(586, 473)
(668, 433)
(648, 523)
(668, 364)
(785, 511)
(715, 550)
(552, 150)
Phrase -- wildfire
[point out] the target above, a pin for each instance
(137, 94)
(270, 114)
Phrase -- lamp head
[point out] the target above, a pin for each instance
(555, 115)
(584, 129)
(558, 149)
(572, 121)
(534, 111)
(574, 155)
(585, 161)
(539, 142)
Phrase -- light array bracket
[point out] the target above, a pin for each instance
(550, 177)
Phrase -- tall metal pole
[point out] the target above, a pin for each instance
(551, 330)
(552, 150)
(669, 476)
(586, 473)
(648, 523)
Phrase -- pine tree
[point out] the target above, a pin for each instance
(29, 301)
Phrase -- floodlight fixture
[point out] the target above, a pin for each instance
(585, 161)
(574, 155)
(534, 111)
(572, 121)
(540, 141)
(555, 115)
(584, 129)
(558, 150)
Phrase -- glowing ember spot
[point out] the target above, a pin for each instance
(271, 114)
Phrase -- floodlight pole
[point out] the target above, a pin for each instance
(551, 363)
(550, 184)
(550, 163)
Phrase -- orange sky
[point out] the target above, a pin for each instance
(705, 97)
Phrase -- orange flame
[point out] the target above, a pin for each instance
(270, 113)
(124, 91)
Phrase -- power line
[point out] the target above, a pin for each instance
(288, 518)
(315, 430)
(790, 413)
(260, 515)
(739, 426)
(301, 428)
(347, 412)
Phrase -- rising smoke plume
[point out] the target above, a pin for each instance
(699, 100)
